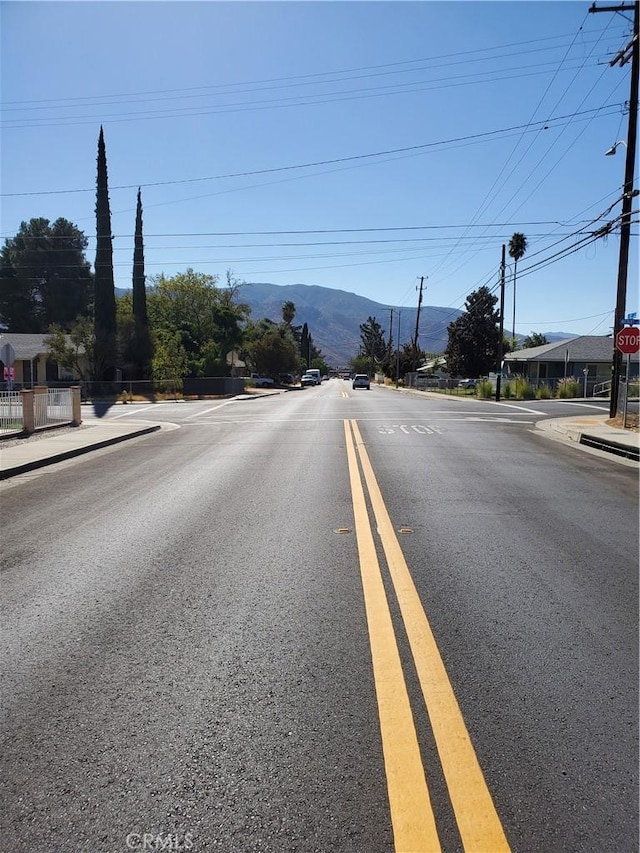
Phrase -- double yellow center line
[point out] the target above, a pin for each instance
(412, 817)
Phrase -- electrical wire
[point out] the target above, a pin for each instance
(307, 78)
(316, 163)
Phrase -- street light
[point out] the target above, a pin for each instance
(611, 151)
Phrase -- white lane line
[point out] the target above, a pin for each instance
(134, 411)
(520, 408)
(211, 409)
(602, 409)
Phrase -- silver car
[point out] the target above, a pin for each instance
(361, 380)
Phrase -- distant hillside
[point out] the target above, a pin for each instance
(554, 337)
(334, 317)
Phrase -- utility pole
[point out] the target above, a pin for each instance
(398, 352)
(631, 51)
(503, 266)
(371, 373)
(389, 348)
(415, 337)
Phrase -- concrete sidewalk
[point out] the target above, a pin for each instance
(593, 431)
(46, 448)
(51, 446)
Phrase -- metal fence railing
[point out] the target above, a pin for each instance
(10, 412)
(52, 406)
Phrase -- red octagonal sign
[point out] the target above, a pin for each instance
(628, 340)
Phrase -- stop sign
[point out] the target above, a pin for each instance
(628, 340)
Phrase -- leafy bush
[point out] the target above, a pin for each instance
(568, 388)
(543, 392)
(506, 390)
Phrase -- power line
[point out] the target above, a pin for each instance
(281, 103)
(308, 77)
(314, 164)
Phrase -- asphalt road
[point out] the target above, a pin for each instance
(324, 620)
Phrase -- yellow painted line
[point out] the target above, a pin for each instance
(478, 822)
(412, 819)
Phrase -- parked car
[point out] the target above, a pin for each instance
(313, 371)
(262, 381)
(467, 383)
(308, 379)
(286, 379)
(361, 380)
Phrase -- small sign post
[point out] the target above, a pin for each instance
(7, 357)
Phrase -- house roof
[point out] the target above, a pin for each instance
(593, 348)
(27, 347)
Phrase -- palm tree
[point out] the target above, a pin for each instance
(517, 248)
(288, 312)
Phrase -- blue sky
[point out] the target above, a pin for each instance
(353, 145)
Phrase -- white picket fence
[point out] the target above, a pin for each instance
(10, 412)
(51, 406)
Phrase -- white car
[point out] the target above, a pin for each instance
(308, 379)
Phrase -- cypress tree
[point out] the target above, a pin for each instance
(143, 351)
(104, 298)
(305, 345)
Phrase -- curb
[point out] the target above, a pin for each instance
(73, 452)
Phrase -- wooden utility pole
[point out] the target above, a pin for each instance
(503, 266)
(631, 51)
(415, 337)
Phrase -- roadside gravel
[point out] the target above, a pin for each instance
(39, 435)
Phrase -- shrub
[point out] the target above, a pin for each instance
(485, 389)
(506, 390)
(523, 390)
(543, 392)
(568, 388)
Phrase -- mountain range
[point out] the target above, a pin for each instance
(333, 318)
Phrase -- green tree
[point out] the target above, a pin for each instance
(208, 319)
(305, 346)
(372, 344)
(169, 356)
(288, 312)
(535, 339)
(273, 352)
(360, 364)
(473, 346)
(142, 354)
(310, 354)
(126, 344)
(75, 350)
(45, 278)
(104, 300)
(517, 248)
(406, 360)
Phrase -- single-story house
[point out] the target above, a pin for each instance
(237, 365)
(33, 364)
(568, 359)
